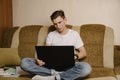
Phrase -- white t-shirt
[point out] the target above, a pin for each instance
(72, 38)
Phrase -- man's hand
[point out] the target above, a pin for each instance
(76, 56)
(81, 53)
(40, 62)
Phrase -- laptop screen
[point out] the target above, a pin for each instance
(56, 57)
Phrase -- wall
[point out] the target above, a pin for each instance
(78, 12)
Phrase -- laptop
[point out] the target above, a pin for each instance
(59, 58)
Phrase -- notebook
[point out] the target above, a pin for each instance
(59, 58)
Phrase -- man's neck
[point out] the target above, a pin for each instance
(65, 31)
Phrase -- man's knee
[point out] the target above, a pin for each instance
(87, 69)
(25, 63)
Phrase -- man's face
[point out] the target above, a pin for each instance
(59, 23)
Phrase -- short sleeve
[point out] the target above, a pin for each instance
(49, 38)
(78, 41)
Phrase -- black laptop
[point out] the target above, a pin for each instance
(56, 57)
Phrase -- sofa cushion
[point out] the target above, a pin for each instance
(9, 57)
(28, 38)
(7, 37)
(101, 72)
(14, 78)
(103, 78)
(93, 38)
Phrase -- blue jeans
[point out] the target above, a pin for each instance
(81, 69)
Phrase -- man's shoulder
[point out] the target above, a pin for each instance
(52, 32)
(73, 31)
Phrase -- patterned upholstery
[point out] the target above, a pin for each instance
(95, 36)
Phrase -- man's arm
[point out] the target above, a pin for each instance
(81, 52)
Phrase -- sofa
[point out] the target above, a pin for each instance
(19, 42)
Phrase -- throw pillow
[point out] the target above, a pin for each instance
(9, 57)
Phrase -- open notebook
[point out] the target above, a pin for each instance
(56, 57)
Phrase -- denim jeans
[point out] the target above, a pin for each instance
(81, 69)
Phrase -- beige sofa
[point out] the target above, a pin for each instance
(98, 39)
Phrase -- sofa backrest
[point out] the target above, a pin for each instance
(93, 37)
(98, 41)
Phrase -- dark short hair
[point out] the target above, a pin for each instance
(57, 13)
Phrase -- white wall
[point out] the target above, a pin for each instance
(78, 12)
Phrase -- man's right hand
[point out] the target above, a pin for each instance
(40, 62)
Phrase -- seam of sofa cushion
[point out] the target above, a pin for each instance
(108, 48)
(15, 39)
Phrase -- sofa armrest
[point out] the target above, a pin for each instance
(117, 55)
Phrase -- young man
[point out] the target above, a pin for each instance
(61, 36)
